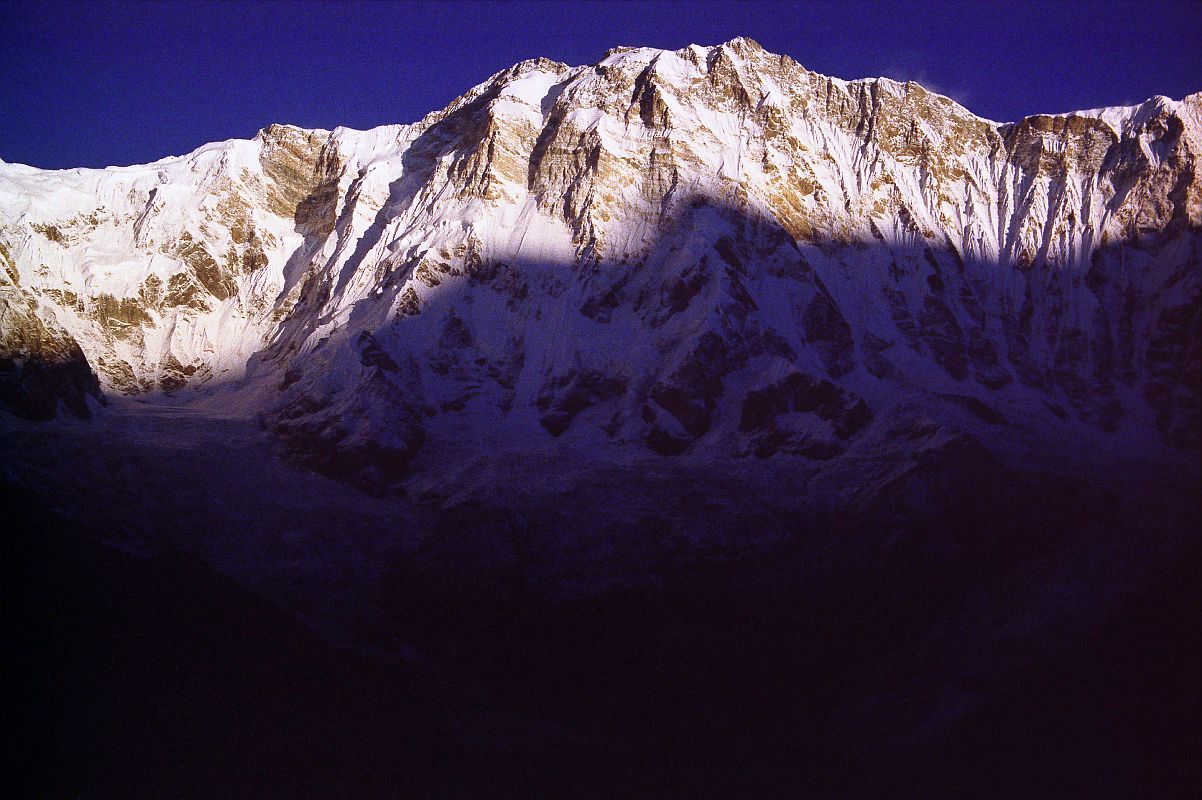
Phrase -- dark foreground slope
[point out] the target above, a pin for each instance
(160, 677)
(974, 630)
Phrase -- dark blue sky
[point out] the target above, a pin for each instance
(92, 84)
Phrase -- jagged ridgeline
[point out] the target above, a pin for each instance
(711, 251)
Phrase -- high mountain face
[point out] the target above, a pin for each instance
(704, 254)
(771, 426)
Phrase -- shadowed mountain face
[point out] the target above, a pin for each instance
(794, 418)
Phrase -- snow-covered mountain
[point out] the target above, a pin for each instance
(710, 253)
(734, 416)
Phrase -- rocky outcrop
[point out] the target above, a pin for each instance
(43, 371)
(801, 414)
